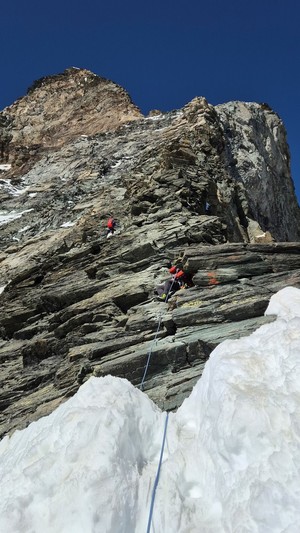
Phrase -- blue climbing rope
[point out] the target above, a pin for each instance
(167, 417)
(154, 340)
(171, 287)
(157, 475)
(150, 353)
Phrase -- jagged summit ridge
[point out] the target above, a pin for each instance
(60, 108)
(70, 74)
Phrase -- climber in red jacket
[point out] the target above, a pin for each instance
(178, 281)
(111, 225)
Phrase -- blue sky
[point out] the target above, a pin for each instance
(163, 52)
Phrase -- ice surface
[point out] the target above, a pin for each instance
(231, 462)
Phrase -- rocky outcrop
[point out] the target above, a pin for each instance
(87, 315)
(76, 304)
(259, 158)
(58, 109)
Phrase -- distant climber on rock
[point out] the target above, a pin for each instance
(208, 210)
(179, 280)
(111, 225)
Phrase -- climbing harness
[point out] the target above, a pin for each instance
(157, 475)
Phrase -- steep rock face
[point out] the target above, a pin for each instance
(258, 156)
(60, 108)
(74, 303)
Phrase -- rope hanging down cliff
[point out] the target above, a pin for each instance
(167, 417)
(157, 474)
(149, 353)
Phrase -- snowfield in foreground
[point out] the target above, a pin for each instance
(231, 461)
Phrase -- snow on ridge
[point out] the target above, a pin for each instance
(231, 460)
(285, 303)
(104, 424)
(12, 189)
(117, 164)
(22, 230)
(4, 287)
(6, 217)
(155, 117)
(67, 224)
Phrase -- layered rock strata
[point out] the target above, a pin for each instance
(74, 303)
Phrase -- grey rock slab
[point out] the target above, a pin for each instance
(207, 185)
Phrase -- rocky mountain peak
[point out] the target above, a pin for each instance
(60, 108)
(206, 185)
